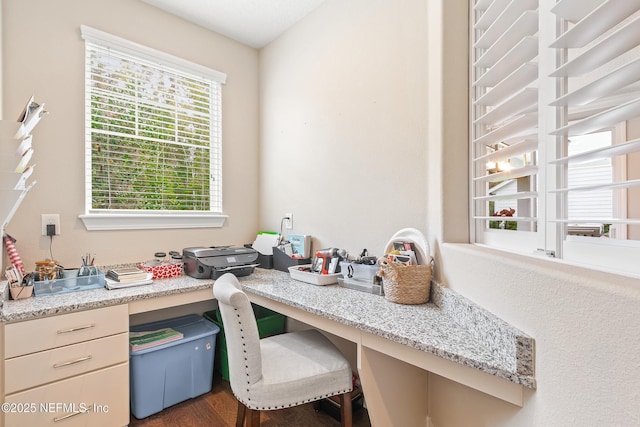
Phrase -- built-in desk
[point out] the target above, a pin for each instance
(397, 345)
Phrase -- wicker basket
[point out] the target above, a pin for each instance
(405, 284)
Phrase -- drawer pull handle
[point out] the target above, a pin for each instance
(79, 328)
(72, 362)
(65, 417)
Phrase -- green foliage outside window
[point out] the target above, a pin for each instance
(150, 138)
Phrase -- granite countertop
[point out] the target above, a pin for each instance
(449, 326)
(48, 305)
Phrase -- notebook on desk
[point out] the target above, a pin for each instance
(114, 284)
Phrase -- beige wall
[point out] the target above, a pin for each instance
(343, 123)
(349, 80)
(586, 328)
(1, 72)
(633, 172)
(44, 55)
(353, 142)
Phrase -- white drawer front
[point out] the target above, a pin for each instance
(104, 395)
(35, 369)
(50, 332)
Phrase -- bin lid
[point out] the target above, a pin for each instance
(192, 327)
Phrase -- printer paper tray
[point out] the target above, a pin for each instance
(236, 267)
(238, 270)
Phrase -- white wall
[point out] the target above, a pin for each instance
(633, 172)
(350, 79)
(1, 56)
(44, 56)
(586, 328)
(357, 143)
(343, 123)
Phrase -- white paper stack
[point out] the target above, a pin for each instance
(265, 242)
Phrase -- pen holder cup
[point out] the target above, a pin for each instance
(21, 292)
(87, 275)
(71, 277)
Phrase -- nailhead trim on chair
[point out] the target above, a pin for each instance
(269, 408)
(246, 366)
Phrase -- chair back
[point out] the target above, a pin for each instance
(241, 331)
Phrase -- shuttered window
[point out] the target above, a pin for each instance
(577, 192)
(504, 135)
(153, 130)
(598, 74)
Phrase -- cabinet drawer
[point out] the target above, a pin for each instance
(104, 394)
(47, 366)
(50, 332)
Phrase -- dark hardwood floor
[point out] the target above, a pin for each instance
(218, 409)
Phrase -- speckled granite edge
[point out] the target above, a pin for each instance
(84, 300)
(457, 338)
(4, 291)
(514, 376)
(487, 327)
(49, 305)
(455, 328)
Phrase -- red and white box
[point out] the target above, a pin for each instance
(163, 271)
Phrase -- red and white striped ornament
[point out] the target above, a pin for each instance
(12, 253)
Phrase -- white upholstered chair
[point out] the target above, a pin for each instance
(279, 371)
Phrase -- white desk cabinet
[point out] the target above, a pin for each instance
(68, 370)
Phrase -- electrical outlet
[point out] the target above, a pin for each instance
(50, 219)
(288, 223)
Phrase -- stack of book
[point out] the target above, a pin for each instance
(125, 277)
(127, 274)
(146, 339)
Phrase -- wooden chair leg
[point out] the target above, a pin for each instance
(254, 417)
(241, 414)
(346, 413)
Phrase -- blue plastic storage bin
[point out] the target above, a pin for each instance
(170, 373)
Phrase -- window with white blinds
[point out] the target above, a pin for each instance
(555, 132)
(504, 128)
(153, 130)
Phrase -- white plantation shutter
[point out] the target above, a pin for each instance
(504, 140)
(546, 77)
(599, 72)
(153, 128)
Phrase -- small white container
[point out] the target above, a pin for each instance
(362, 272)
(314, 278)
(70, 275)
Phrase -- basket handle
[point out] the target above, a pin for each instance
(386, 266)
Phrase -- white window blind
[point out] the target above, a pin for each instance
(598, 76)
(504, 112)
(554, 87)
(153, 129)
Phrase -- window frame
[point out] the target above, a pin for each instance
(104, 219)
(550, 240)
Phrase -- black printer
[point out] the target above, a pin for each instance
(213, 262)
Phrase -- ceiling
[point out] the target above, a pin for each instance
(252, 22)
